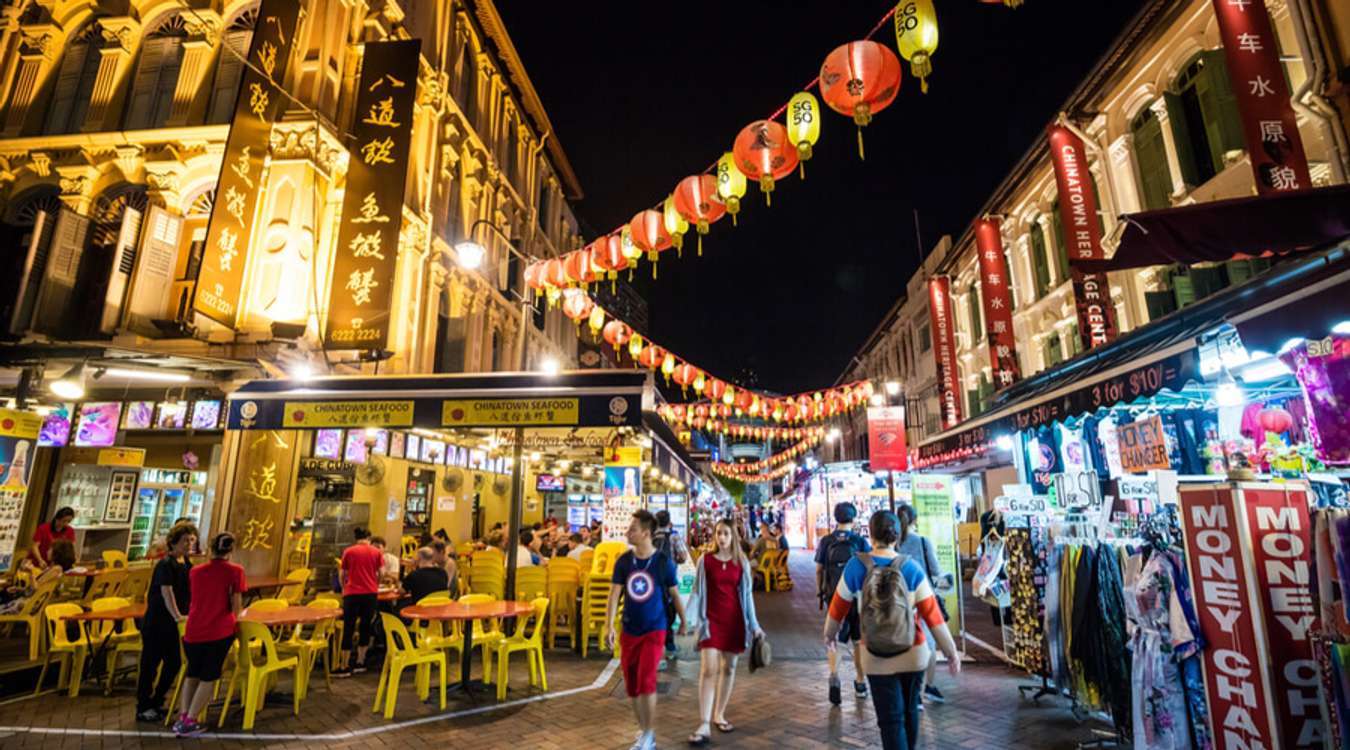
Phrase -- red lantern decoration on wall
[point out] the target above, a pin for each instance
(696, 200)
(651, 356)
(860, 79)
(1275, 419)
(764, 152)
(648, 229)
(617, 333)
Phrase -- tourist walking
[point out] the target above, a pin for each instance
(645, 577)
(834, 552)
(920, 548)
(724, 611)
(891, 593)
(217, 599)
(361, 565)
(166, 605)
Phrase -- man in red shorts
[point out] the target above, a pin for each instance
(646, 578)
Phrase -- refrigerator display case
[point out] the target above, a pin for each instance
(165, 495)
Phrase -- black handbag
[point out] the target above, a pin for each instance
(761, 653)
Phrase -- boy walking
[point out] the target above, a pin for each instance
(646, 577)
(833, 553)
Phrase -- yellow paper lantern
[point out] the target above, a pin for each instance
(597, 321)
(803, 125)
(630, 251)
(668, 366)
(729, 396)
(635, 346)
(916, 36)
(676, 226)
(699, 382)
(730, 184)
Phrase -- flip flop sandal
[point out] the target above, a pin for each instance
(699, 740)
(725, 727)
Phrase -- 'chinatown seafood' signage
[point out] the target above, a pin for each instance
(996, 294)
(372, 209)
(1257, 77)
(944, 349)
(257, 105)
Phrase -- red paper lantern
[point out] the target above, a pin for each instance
(575, 266)
(697, 201)
(743, 400)
(617, 333)
(701, 410)
(648, 229)
(714, 389)
(1275, 419)
(684, 374)
(764, 152)
(609, 255)
(860, 79)
(651, 356)
(577, 304)
(534, 276)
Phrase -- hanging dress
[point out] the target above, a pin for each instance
(1160, 630)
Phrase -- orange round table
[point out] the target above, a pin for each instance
(87, 619)
(291, 615)
(455, 611)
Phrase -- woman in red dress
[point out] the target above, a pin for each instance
(724, 608)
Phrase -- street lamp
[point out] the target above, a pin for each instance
(470, 254)
(549, 366)
(892, 388)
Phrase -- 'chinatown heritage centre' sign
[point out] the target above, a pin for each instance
(944, 349)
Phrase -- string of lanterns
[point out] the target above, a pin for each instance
(732, 472)
(757, 467)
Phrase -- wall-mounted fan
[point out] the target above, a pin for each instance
(371, 472)
(453, 480)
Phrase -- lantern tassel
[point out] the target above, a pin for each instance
(613, 284)
(630, 274)
(733, 220)
(700, 246)
(922, 67)
(801, 169)
(861, 156)
(653, 270)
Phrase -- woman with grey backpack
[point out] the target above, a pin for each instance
(892, 593)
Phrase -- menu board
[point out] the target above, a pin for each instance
(55, 428)
(120, 497)
(172, 415)
(206, 415)
(11, 514)
(433, 451)
(414, 448)
(355, 451)
(328, 444)
(139, 415)
(381, 443)
(396, 444)
(97, 427)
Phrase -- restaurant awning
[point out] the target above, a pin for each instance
(1255, 226)
(600, 398)
(1160, 356)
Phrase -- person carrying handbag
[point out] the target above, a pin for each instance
(723, 609)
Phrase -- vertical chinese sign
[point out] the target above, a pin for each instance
(1254, 70)
(1083, 236)
(998, 303)
(886, 438)
(261, 510)
(372, 210)
(258, 104)
(944, 349)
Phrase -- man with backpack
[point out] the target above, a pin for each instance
(891, 593)
(833, 553)
(667, 541)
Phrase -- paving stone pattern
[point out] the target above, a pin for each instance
(784, 707)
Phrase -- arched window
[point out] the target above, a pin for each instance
(230, 66)
(1204, 117)
(156, 75)
(1040, 262)
(74, 82)
(1150, 159)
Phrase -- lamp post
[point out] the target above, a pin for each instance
(470, 255)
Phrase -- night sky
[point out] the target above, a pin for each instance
(644, 94)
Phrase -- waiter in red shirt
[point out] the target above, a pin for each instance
(361, 565)
(58, 528)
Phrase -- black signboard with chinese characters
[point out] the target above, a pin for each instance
(257, 106)
(372, 211)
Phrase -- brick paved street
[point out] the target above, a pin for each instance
(784, 707)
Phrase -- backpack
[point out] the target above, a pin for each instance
(885, 612)
(841, 549)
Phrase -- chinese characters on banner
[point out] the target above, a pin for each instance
(998, 303)
(1257, 78)
(886, 438)
(372, 210)
(258, 104)
(944, 349)
(259, 516)
(1082, 236)
(1096, 314)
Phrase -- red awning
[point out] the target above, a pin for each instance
(1249, 227)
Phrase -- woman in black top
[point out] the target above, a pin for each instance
(166, 604)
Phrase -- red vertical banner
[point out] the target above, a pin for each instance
(996, 296)
(1237, 669)
(944, 349)
(886, 438)
(1254, 70)
(1077, 199)
(1281, 534)
(1096, 313)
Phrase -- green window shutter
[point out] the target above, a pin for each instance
(1239, 271)
(1075, 341)
(976, 324)
(973, 402)
(1159, 304)
(1181, 135)
(1183, 290)
(1039, 263)
(1055, 350)
(1097, 198)
(1218, 105)
(986, 392)
(1061, 247)
(1150, 159)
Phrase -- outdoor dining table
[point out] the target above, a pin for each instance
(256, 586)
(467, 613)
(86, 621)
(292, 615)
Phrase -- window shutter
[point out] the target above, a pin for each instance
(1055, 349)
(1061, 247)
(26, 286)
(1183, 290)
(1181, 135)
(152, 277)
(67, 84)
(141, 105)
(168, 81)
(976, 324)
(123, 261)
(1150, 159)
(1239, 271)
(1039, 263)
(1159, 304)
(1218, 105)
(1075, 341)
(229, 71)
(56, 297)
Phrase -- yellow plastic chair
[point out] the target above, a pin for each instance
(409, 546)
(403, 654)
(308, 648)
(125, 641)
(71, 653)
(594, 602)
(294, 591)
(486, 633)
(606, 555)
(269, 605)
(433, 634)
(178, 681)
(488, 577)
(587, 560)
(531, 583)
(765, 568)
(106, 583)
(31, 615)
(137, 584)
(114, 558)
(564, 579)
(532, 644)
(256, 676)
(465, 550)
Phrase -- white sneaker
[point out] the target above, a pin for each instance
(645, 741)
